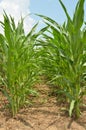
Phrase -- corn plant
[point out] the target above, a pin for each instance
(17, 62)
(63, 53)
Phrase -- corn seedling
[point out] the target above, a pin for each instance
(63, 56)
(17, 62)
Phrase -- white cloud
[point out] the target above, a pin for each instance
(16, 8)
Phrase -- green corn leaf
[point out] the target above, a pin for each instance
(65, 10)
(7, 28)
(69, 26)
(31, 33)
(1, 39)
(71, 107)
(19, 29)
(13, 23)
(34, 36)
(78, 17)
(49, 20)
(3, 44)
(43, 30)
(84, 36)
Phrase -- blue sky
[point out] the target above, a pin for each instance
(53, 9)
(50, 8)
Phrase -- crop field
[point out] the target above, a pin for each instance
(43, 74)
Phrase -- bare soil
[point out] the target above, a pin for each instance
(45, 113)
